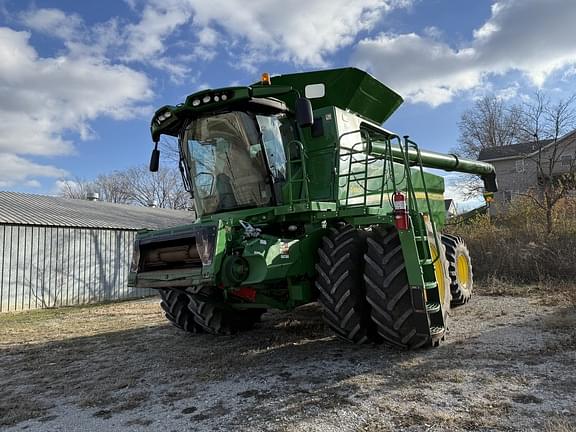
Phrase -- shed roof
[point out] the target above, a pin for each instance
(29, 209)
(512, 150)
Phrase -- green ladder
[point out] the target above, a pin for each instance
(298, 180)
(434, 309)
(435, 323)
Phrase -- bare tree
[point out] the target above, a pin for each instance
(137, 186)
(164, 187)
(549, 123)
(489, 123)
(170, 150)
(114, 188)
(493, 123)
(110, 188)
(75, 188)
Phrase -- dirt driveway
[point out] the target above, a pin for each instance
(509, 363)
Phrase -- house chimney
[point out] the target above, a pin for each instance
(92, 196)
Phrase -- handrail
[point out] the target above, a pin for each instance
(408, 143)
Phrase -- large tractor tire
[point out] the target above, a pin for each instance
(401, 320)
(459, 269)
(218, 319)
(340, 284)
(175, 306)
(441, 271)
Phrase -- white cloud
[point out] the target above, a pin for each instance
(41, 98)
(17, 171)
(529, 36)
(508, 93)
(159, 20)
(53, 22)
(207, 37)
(300, 31)
(44, 99)
(297, 31)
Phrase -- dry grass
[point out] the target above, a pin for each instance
(513, 255)
(15, 409)
(560, 425)
(37, 326)
(548, 292)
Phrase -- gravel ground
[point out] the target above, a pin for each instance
(508, 364)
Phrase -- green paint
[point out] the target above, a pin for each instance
(345, 168)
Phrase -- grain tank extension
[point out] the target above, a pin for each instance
(302, 196)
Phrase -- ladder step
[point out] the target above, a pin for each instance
(433, 307)
(428, 261)
(430, 285)
(421, 238)
(436, 330)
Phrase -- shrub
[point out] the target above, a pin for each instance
(515, 246)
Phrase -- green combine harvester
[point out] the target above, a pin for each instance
(302, 196)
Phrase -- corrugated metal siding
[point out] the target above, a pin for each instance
(54, 266)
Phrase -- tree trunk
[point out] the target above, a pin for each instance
(548, 219)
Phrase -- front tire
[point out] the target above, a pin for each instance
(218, 319)
(459, 269)
(175, 306)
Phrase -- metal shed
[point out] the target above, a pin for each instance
(62, 252)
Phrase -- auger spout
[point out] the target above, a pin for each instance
(442, 161)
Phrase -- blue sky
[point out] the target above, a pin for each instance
(79, 80)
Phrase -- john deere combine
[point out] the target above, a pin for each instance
(302, 196)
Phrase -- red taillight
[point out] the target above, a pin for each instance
(246, 293)
(400, 211)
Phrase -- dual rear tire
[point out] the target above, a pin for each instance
(339, 283)
(364, 291)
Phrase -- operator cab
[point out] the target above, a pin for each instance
(235, 159)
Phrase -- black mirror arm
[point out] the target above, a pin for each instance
(155, 158)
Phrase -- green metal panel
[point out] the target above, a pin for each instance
(321, 156)
(347, 88)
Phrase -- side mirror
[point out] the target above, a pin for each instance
(304, 115)
(155, 160)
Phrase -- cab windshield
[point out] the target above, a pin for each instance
(229, 166)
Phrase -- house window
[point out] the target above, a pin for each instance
(520, 166)
(566, 160)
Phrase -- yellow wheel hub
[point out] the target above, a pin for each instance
(439, 272)
(463, 270)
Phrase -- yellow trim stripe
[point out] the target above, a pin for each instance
(432, 196)
(375, 198)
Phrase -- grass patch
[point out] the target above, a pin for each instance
(19, 409)
(515, 247)
(38, 326)
(548, 292)
(560, 424)
(37, 315)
